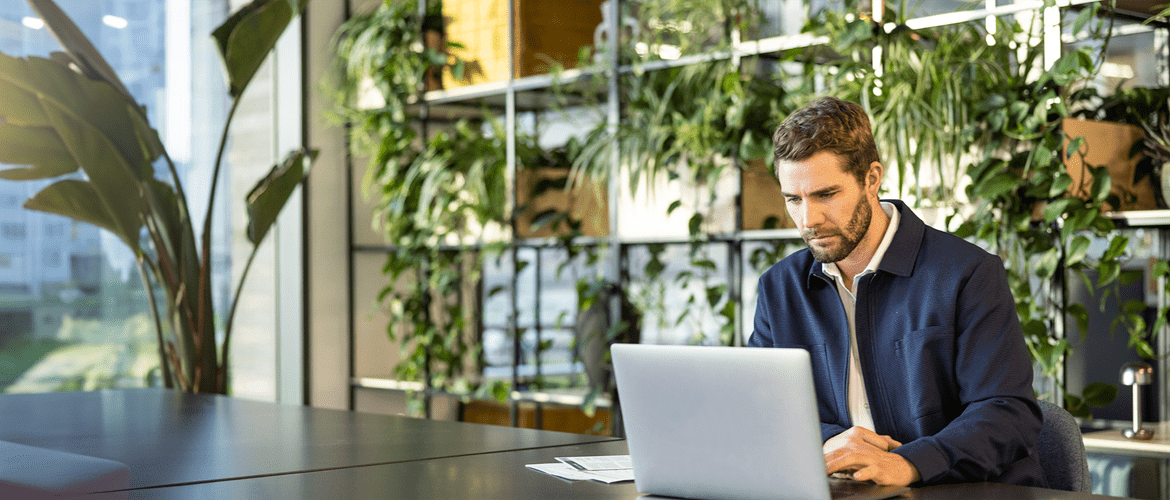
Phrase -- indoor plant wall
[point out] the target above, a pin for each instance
(72, 113)
(693, 127)
(432, 194)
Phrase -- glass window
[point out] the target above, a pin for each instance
(73, 314)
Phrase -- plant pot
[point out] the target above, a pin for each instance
(585, 202)
(1109, 144)
(546, 34)
(434, 39)
(762, 204)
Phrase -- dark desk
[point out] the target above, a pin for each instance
(500, 476)
(168, 437)
(181, 446)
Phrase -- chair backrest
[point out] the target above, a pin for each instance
(1061, 450)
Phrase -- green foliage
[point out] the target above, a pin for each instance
(71, 112)
(692, 122)
(922, 95)
(1028, 212)
(432, 195)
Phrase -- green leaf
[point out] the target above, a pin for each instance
(1080, 220)
(1109, 271)
(79, 201)
(1076, 406)
(39, 147)
(1159, 324)
(673, 206)
(94, 103)
(715, 294)
(245, 39)
(1034, 328)
(501, 390)
(1047, 264)
(268, 197)
(1102, 184)
(1078, 249)
(1083, 18)
(1056, 208)
(113, 180)
(1116, 248)
(1099, 394)
(1074, 145)
(1131, 276)
(1145, 350)
(1060, 185)
(20, 106)
(998, 185)
(1161, 268)
(1081, 315)
(695, 224)
(79, 48)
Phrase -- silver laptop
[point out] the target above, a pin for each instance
(726, 423)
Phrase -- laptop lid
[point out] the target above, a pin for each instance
(721, 422)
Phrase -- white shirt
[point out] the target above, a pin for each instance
(858, 401)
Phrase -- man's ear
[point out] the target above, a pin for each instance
(873, 178)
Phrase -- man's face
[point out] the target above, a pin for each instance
(830, 207)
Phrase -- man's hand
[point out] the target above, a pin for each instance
(867, 455)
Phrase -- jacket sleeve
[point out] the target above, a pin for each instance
(999, 420)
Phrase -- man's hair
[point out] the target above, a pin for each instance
(827, 124)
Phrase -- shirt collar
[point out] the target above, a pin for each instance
(895, 217)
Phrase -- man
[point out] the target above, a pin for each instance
(921, 371)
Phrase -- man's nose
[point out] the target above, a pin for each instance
(811, 215)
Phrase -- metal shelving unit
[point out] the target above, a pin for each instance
(532, 94)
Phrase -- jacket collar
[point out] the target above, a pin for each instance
(903, 252)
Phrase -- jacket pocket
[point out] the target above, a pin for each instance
(928, 360)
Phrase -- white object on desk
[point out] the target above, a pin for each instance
(570, 473)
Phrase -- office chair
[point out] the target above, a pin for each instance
(1061, 450)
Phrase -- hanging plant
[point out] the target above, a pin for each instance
(432, 196)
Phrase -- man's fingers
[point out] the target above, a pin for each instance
(865, 474)
(881, 442)
(892, 443)
(879, 467)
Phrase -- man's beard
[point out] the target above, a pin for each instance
(851, 236)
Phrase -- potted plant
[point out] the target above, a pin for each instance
(71, 113)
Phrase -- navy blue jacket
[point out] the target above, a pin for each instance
(944, 360)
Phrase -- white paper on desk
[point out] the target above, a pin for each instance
(566, 471)
(607, 462)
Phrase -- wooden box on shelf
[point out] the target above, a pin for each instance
(585, 202)
(547, 33)
(1108, 144)
(761, 199)
(553, 417)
